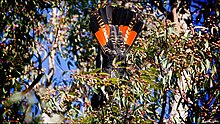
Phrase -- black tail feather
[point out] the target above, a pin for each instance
(109, 10)
(94, 25)
(129, 17)
(116, 13)
(137, 26)
(102, 12)
(116, 16)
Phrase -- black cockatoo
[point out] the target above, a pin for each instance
(115, 29)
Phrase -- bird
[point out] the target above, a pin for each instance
(116, 29)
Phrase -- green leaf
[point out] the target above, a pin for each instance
(123, 101)
(207, 64)
(95, 71)
(104, 74)
(206, 44)
(214, 70)
(18, 96)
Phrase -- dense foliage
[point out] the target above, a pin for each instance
(48, 72)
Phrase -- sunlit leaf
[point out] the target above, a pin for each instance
(18, 96)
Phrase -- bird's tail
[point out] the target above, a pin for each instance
(115, 30)
(128, 22)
